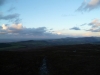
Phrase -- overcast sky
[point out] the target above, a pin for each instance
(49, 18)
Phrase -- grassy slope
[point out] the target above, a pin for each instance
(61, 60)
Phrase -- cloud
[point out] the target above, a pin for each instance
(75, 28)
(34, 31)
(88, 6)
(15, 28)
(9, 17)
(19, 31)
(4, 27)
(95, 26)
(14, 18)
(11, 9)
(95, 23)
(17, 20)
(2, 2)
(83, 24)
(94, 30)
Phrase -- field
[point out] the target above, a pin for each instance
(79, 59)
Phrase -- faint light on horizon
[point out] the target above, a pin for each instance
(59, 33)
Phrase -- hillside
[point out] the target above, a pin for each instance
(35, 44)
(57, 60)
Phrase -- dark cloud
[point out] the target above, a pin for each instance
(11, 9)
(14, 18)
(9, 17)
(90, 24)
(92, 4)
(0, 27)
(75, 28)
(34, 31)
(17, 20)
(94, 30)
(83, 24)
(2, 2)
(81, 7)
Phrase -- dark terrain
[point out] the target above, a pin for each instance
(80, 59)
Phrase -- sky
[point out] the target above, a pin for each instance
(49, 18)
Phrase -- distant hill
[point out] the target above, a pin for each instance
(48, 42)
(81, 40)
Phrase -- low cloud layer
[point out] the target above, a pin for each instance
(75, 28)
(18, 28)
(18, 31)
(88, 6)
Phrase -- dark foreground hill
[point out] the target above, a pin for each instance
(57, 60)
